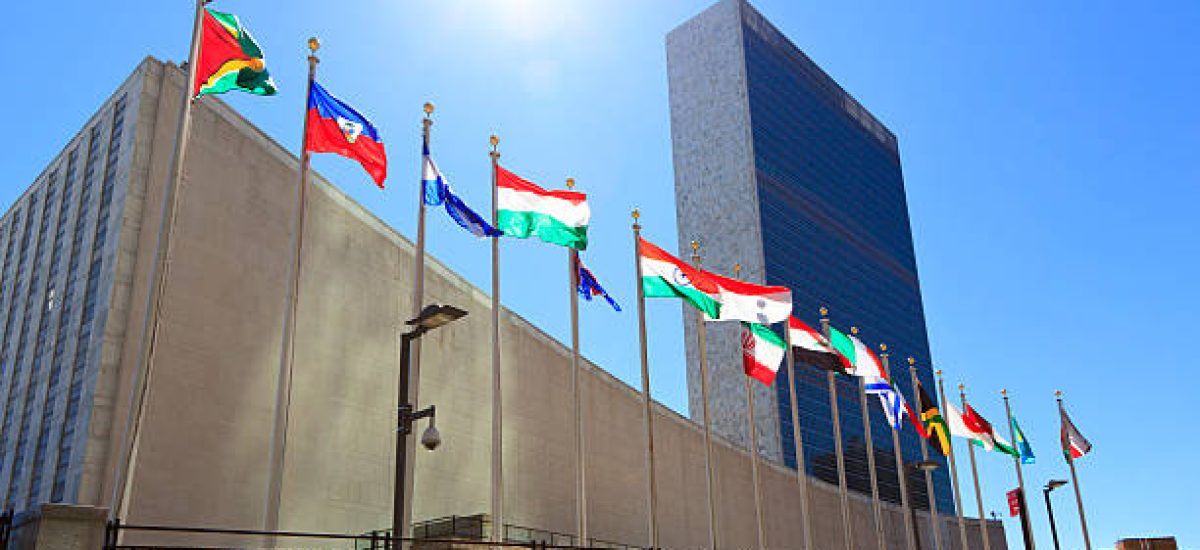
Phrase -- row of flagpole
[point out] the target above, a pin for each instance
(152, 322)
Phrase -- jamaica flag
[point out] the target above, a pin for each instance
(230, 59)
(935, 424)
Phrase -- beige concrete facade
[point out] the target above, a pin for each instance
(203, 455)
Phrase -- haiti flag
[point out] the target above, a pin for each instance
(334, 127)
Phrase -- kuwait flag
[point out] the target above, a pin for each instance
(524, 210)
(810, 347)
(665, 276)
(762, 351)
(1073, 443)
(230, 59)
(742, 301)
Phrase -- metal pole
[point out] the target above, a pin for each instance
(581, 511)
(901, 469)
(847, 529)
(159, 268)
(413, 364)
(987, 545)
(651, 487)
(287, 354)
(933, 514)
(753, 448)
(702, 344)
(399, 498)
(874, 476)
(1050, 512)
(801, 472)
(1026, 531)
(497, 409)
(962, 526)
(1087, 539)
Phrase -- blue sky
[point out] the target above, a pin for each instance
(1049, 151)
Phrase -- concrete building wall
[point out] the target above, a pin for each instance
(203, 457)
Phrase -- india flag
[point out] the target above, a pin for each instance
(524, 210)
(665, 276)
(762, 351)
(742, 301)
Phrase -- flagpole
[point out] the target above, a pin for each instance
(962, 527)
(581, 512)
(975, 475)
(702, 344)
(287, 352)
(497, 409)
(901, 470)
(1087, 539)
(758, 505)
(159, 268)
(418, 302)
(1026, 530)
(847, 529)
(933, 513)
(868, 439)
(798, 442)
(651, 487)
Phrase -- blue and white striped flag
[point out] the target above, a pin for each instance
(437, 192)
(890, 399)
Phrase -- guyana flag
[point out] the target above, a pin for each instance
(230, 59)
(939, 433)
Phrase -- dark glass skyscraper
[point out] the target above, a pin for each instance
(779, 169)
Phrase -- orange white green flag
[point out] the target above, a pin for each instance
(230, 59)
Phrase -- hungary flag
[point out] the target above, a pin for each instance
(524, 210)
(230, 59)
(762, 351)
(665, 276)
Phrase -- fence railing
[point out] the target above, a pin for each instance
(454, 533)
(6, 520)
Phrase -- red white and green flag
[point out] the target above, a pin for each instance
(762, 352)
(810, 347)
(866, 363)
(751, 303)
(1073, 443)
(526, 210)
(230, 59)
(665, 276)
(979, 431)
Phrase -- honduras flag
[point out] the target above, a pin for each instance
(589, 286)
(437, 193)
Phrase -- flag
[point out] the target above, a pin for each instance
(811, 347)
(762, 351)
(437, 192)
(892, 402)
(335, 127)
(230, 59)
(866, 363)
(665, 276)
(845, 346)
(936, 425)
(987, 439)
(976, 430)
(742, 301)
(556, 217)
(589, 286)
(1024, 450)
(1073, 443)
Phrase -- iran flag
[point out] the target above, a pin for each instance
(762, 352)
(751, 303)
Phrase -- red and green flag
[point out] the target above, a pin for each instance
(1073, 443)
(230, 59)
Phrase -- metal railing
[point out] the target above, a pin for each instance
(6, 521)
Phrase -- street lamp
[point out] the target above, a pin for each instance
(1050, 486)
(432, 317)
(922, 466)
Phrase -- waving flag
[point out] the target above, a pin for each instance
(742, 301)
(762, 352)
(938, 431)
(866, 363)
(810, 347)
(892, 402)
(230, 59)
(526, 210)
(335, 127)
(1073, 443)
(1024, 449)
(589, 286)
(438, 193)
(665, 276)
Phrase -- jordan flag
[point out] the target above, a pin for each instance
(335, 127)
(1073, 443)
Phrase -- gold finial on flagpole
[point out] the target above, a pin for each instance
(912, 361)
(428, 108)
(570, 183)
(938, 373)
(854, 331)
(695, 246)
(314, 44)
(737, 269)
(1058, 394)
(494, 140)
(1004, 393)
(636, 214)
(883, 348)
(824, 311)
(961, 388)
